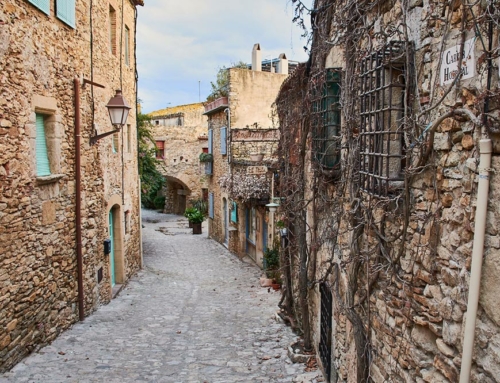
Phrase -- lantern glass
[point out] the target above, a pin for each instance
(118, 109)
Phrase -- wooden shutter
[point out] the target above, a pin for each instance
(65, 11)
(234, 213)
(211, 205)
(43, 5)
(42, 158)
(223, 142)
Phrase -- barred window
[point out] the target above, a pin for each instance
(382, 110)
(325, 117)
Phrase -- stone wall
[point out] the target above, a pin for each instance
(182, 147)
(252, 130)
(417, 310)
(39, 58)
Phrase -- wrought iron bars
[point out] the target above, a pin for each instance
(382, 111)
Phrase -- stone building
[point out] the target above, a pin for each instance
(61, 197)
(243, 137)
(386, 139)
(180, 133)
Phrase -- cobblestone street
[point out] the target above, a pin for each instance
(195, 313)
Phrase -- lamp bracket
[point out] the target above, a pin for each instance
(94, 139)
(86, 81)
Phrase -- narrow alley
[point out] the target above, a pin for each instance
(195, 313)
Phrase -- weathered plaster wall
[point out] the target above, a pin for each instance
(39, 58)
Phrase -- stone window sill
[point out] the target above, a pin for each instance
(44, 180)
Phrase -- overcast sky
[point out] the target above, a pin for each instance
(183, 42)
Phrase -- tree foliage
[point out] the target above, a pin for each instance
(152, 180)
(221, 86)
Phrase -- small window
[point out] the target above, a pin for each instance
(211, 205)
(65, 11)
(223, 141)
(157, 122)
(127, 46)
(42, 156)
(160, 150)
(43, 5)
(383, 113)
(112, 30)
(115, 142)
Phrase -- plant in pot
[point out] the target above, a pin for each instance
(272, 266)
(196, 220)
(206, 157)
(188, 213)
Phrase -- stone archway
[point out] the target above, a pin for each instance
(176, 196)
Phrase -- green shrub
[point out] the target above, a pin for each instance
(159, 202)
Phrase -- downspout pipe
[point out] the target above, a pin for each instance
(485, 149)
(78, 199)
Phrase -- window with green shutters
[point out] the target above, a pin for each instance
(43, 5)
(65, 11)
(42, 157)
(326, 117)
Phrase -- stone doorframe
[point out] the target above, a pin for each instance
(115, 207)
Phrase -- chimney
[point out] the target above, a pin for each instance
(256, 58)
(283, 64)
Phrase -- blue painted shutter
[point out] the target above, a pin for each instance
(234, 213)
(211, 205)
(223, 142)
(43, 5)
(42, 158)
(209, 165)
(65, 11)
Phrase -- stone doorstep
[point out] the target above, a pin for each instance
(116, 290)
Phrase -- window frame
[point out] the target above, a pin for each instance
(382, 152)
(160, 149)
(326, 117)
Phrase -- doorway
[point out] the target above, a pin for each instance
(112, 253)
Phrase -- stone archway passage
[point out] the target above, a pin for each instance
(176, 196)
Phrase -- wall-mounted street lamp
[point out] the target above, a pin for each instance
(118, 113)
(272, 207)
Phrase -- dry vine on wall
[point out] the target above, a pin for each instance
(328, 212)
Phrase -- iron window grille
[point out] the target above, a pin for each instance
(383, 92)
(326, 117)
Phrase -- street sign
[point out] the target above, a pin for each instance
(257, 170)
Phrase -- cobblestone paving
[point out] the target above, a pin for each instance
(195, 313)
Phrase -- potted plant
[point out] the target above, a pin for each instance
(188, 212)
(206, 157)
(272, 265)
(196, 220)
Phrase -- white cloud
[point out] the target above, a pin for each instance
(182, 42)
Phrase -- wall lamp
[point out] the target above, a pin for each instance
(118, 113)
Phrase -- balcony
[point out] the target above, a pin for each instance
(217, 105)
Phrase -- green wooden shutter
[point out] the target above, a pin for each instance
(43, 5)
(42, 158)
(65, 11)
(223, 142)
(234, 213)
(211, 205)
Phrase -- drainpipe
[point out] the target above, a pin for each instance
(78, 199)
(228, 137)
(485, 149)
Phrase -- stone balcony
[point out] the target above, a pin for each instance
(216, 105)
